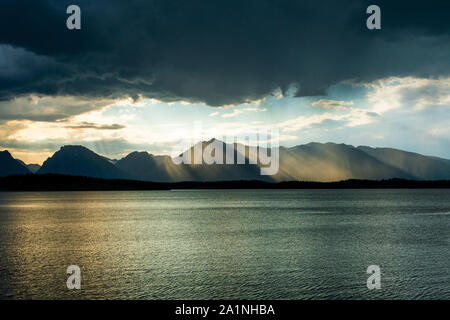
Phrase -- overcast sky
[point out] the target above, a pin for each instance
(140, 75)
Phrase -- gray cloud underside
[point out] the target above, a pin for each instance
(49, 108)
(217, 52)
(89, 125)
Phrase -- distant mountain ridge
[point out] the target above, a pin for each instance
(80, 161)
(32, 166)
(419, 166)
(333, 162)
(144, 166)
(310, 162)
(9, 165)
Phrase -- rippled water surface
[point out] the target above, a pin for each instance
(216, 244)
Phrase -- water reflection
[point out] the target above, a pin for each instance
(285, 244)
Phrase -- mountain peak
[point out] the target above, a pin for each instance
(81, 161)
(9, 165)
(5, 153)
(74, 148)
(214, 140)
(139, 153)
(137, 156)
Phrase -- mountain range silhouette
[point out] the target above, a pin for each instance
(310, 162)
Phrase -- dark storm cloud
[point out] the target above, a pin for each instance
(218, 52)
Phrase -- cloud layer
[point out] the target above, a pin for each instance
(216, 52)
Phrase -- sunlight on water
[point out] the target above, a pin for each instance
(242, 244)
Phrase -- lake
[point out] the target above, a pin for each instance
(226, 244)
